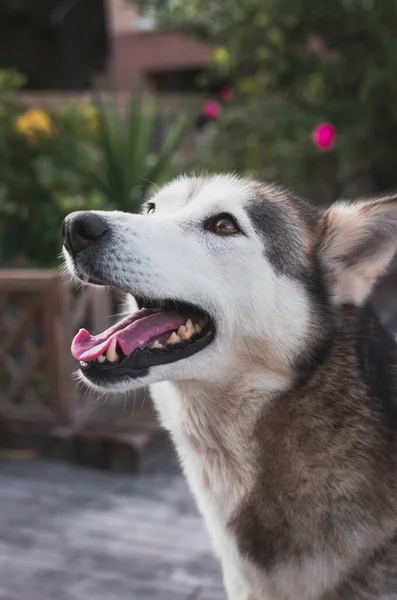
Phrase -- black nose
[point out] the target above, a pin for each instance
(81, 229)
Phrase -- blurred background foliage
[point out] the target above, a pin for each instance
(280, 69)
(295, 65)
(135, 153)
(39, 181)
(77, 156)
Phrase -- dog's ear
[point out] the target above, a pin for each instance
(357, 243)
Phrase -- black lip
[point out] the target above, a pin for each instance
(140, 361)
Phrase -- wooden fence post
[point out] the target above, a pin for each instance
(34, 375)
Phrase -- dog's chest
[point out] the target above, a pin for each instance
(219, 479)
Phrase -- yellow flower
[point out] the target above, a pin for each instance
(33, 122)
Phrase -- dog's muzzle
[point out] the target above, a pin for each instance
(163, 331)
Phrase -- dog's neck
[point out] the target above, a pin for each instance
(226, 407)
(212, 425)
(219, 416)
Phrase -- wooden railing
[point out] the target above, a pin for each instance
(33, 378)
(39, 313)
(42, 408)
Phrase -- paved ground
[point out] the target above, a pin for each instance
(76, 534)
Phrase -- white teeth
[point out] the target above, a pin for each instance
(186, 331)
(182, 332)
(156, 344)
(189, 328)
(83, 363)
(173, 339)
(111, 353)
(101, 358)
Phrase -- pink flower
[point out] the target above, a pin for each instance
(212, 110)
(227, 93)
(324, 136)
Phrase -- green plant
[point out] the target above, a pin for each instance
(74, 157)
(295, 65)
(39, 178)
(133, 157)
(9, 82)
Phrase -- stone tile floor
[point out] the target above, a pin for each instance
(68, 533)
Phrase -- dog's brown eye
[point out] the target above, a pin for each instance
(224, 226)
(151, 207)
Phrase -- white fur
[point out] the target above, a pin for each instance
(210, 401)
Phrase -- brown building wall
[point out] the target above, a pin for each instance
(135, 55)
(123, 16)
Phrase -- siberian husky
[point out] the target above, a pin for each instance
(269, 368)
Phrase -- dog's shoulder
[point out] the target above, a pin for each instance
(327, 457)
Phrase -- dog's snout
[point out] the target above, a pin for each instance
(81, 229)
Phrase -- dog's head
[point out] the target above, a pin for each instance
(230, 276)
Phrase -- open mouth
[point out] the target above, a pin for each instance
(160, 332)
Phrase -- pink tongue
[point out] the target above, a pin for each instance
(131, 333)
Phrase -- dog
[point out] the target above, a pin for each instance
(251, 323)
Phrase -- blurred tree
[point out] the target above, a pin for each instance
(296, 65)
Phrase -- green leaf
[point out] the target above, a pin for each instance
(126, 141)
